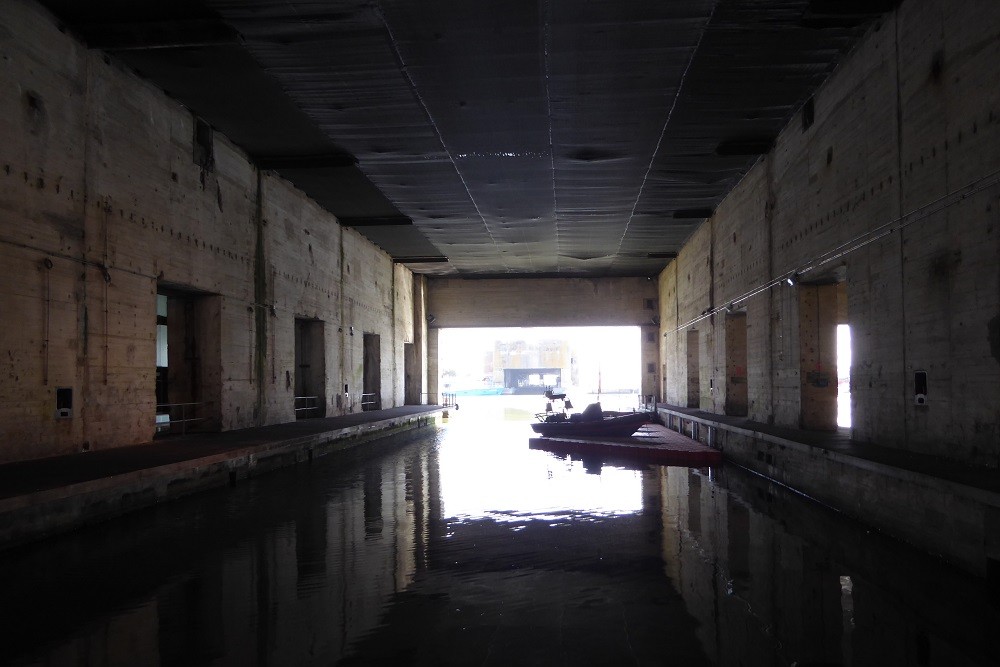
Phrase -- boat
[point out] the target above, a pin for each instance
(611, 426)
(592, 422)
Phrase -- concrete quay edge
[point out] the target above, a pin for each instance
(39, 514)
(984, 496)
(881, 495)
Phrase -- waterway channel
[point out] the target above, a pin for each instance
(464, 547)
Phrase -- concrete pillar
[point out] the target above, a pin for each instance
(416, 353)
(650, 362)
(433, 372)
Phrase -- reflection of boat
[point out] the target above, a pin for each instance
(592, 422)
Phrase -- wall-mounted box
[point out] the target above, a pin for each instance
(64, 402)
(920, 388)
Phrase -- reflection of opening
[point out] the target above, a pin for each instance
(843, 375)
(373, 501)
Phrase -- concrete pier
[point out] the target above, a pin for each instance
(941, 506)
(47, 496)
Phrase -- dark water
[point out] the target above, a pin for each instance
(467, 548)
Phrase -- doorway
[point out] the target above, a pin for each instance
(371, 397)
(736, 365)
(310, 369)
(693, 370)
(188, 361)
(412, 384)
(819, 314)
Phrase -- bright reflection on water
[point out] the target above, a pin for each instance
(508, 482)
(466, 547)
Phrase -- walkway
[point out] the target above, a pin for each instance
(45, 496)
(840, 441)
(941, 506)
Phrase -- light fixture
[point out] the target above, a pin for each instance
(792, 279)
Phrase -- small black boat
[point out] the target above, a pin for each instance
(592, 422)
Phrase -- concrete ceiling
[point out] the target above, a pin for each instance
(494, 138)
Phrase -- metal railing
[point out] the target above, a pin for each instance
(304, 405)
(370, 402)
(444, 399)
(168, 410)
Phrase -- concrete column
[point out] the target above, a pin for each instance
(432, 367)
(650, 362)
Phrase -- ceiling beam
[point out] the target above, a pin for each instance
(378, 221)
(144, 36)
(745, 146)
(322, 161)
(420, 260)
(692, 213)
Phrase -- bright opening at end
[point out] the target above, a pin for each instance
(584, 361)
(844, 375)
(497, 377)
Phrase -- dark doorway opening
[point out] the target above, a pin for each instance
(371, 397)
(188, 361)
(818, 319)
(736, 365)
(693, 370)
(412, 377)
(310, 369)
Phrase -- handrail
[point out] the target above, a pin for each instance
(184, 420)
(316, 406)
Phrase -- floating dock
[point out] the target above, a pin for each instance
(652, 443)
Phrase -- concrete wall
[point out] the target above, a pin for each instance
(545, 302)
(909, 126)
(102, 205)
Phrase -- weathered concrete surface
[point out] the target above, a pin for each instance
(541, 302)
(106, 199)
(897, 179)
(48, 496)
(938, 506)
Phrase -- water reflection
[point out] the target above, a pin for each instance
(287, 569)
(469, 548)
(487, 471)
(774, 579)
